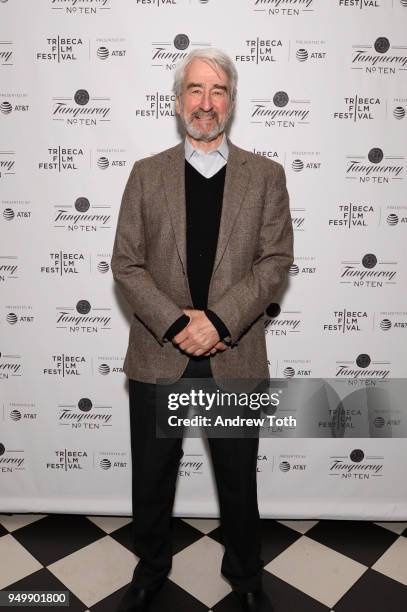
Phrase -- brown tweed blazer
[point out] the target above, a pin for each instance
(254, 253)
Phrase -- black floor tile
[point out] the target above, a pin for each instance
(56, 536)
(123, 535)
(374, 592)
(362, 541)
(43, 580)
(171, 598)
(284, 598)
(275, 538)
(183, 535)
(3, 531)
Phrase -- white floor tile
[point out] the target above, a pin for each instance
(196, 569)
(16, 561)
(15, 521)
(110, 523)
(319, 571)
(203, 525)
(393, 562)
(95, 571)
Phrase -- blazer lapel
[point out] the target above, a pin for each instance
(236, 183)
(174, 184)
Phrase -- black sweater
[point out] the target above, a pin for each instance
(203, 197)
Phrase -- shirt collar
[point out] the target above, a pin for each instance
(222, 149)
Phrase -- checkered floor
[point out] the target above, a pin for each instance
(310, 566)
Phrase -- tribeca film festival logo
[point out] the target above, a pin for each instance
(11, 460)
(290, 8)
(160, 3)
(280, 111)
(373, 4)
(81, 7)
(10, 365)
(61, 159)
(263, 460)
(348, 321)
(356, 466)
(81, 109)
(375, 167)
(81, 216)
(83, 318)
(369, 272)
(18, 411)
(62, 263)
(85, 415)
(12, 214)
(18, 314)
(167, 54)
(67, 459)
(261, 50)
(7, 163)
(364, 108)
(380, 57)
(303, 265)
(354, 216)
(388, 321)
(361, 108)
(9, 268)
(270, 153)
(9, 107)
(6, 53)
(65, 365)
(282, 322)
(60, 49)
(362, 367)
(157, 105)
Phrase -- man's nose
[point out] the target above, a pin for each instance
(206, 101)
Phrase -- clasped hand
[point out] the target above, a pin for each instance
(200, 336)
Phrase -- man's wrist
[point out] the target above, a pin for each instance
(178, 325)
(217, 323)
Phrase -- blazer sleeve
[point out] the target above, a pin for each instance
(153, 307)
(247, 299)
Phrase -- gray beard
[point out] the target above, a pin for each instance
(198, 134)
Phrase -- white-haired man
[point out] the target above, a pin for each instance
(204, 241)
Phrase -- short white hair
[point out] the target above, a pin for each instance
(215, 58)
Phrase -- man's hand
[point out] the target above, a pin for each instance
(219, 346)
(199, 337)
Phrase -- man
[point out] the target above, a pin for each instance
(203, 244)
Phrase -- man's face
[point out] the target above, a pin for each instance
(204, 105)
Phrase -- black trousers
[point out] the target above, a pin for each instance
(155, 464)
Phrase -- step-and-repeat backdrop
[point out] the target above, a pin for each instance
(85, 90)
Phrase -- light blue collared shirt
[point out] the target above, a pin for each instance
(207, 164)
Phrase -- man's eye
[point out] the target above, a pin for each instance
(219, 92)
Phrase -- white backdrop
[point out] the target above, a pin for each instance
(85, 90)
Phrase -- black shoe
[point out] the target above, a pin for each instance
(137, 598)
(254, 601)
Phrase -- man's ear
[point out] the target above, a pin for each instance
(177, 105)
